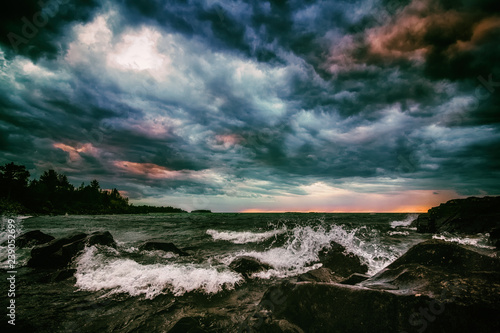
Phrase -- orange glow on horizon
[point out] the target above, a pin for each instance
(403, 209)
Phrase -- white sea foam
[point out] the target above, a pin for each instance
(243, 237)
(160, 254)
(480, 240)
(399, 233)
(406, 222)
(304, 244)
(96, 271)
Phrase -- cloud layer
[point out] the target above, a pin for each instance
(257, 105)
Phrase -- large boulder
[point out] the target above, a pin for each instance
(327, 307)
(32, 238)
(163, 246)
(470, 216)
(246, 266)
(340, 261)
(59, 252)
(101, 238)
(435, 266)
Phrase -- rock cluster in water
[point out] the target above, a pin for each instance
(58, 253)
(435, 287)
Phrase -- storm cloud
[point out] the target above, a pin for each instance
(257, 105)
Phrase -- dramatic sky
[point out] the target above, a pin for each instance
(346, 105)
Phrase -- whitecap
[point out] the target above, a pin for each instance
(406, 222)
(300, 253)
(243, 237)
(480, 240)
(96, 271)
(398, 233)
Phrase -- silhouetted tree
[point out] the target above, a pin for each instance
(13, 181)
(52, 193)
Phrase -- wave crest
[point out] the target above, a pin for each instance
(243, 237)
(96, 271)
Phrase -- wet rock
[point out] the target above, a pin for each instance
(322, 274)
(50, 255)
(424, 224)
(101, 238)
(163, 246)
(340, 261)
(248, 265)
(32, 238)
(265, 324)
(355, 278)
(60, 252)
(435, 267)
(319, 307)
(435, 287)
(470, 216)
(188, 325)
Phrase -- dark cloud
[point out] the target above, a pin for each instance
(37, 28)
(254, 99)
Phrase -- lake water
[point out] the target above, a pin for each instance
(129, 290)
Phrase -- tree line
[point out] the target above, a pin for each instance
(52, 193)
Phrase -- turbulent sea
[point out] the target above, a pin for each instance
(128, 290)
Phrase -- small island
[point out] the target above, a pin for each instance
(201, 211)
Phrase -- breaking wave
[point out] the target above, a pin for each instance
(243, 237)
(98, 271)
(300, 253)
(406, 222)
(479, 241)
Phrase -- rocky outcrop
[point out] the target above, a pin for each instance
(470, 216)
(246, 266)
(435, 267)
(59, 252)
(320, 307)
(338, 265)
(435, 287)
(162, 246)
(424, 224)
(340, 261)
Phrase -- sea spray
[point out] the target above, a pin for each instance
(405, 222)
(243, 237)
(300, 252)
(96, 271)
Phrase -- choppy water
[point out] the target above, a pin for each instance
(134, 284)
